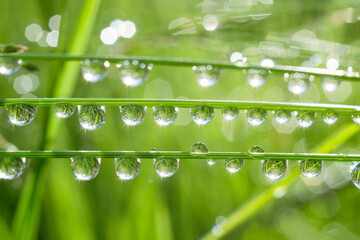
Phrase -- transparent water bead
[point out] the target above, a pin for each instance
(356, 117)
(127, 168)
(230, 113)
(256, 149)
(256, 77)
(310, 168)
(93, 70)
(21, 114)
(85, 168)
(132, 115)
(355, 174)
(12, 168)
(234, 165)
(91, 117)
(297, 83)
(274, 168)
(256, 116)
(330, 83)
(200, 148)
(165, 115)
(202, 115)
(305, 118)
(282, 116)
(330, 117)
(9, 66)
(207, 76)
(64, 110)
(166, 167)
(134, 73)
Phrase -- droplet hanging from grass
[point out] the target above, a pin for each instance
(127, 168)
(202, 115)
(12, 168)
(230, 113)
(21, 114)
(256, 77)
(200, 148)
(356, 117)
(93, 70)
(166, 167)
(207, 76)
(64, 110)
(330, 117)
(134, 73)
(85, 168)
(355, 174)
(297, 83)
(274, 168)
(330, 84)
(132, 115)
(305, 118)
(282, 116)
(234, 165)
(9, 66)
(310, 168)
(165, 115)
(256, 116)
(91, 117)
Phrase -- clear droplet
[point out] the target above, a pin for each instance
(64, 110)
(355, 174)
(132, 115)
(200, 148)
(305, 118)
(330, 117)
(256, 149)
(127, 167)
(165, 115)
(207, 76)
(256, 116)
(21, 114)
(256, 77)
(91, 117)
(134, 73)
(230, 113)
(282, 116)
(9, 66)
(202, 115)
(93, 70)
(234, 165)
(330, 83)
(12, 168)
(356, 117)
(85, 168)
(274, 168)
(166, 167)
(297, 83)
(310, 168)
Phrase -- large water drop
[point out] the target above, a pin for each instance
(207, 76)
(85, 168)
(132, 115)
(230, 113)
(166, 167)
(165, 115)
(310, 168)
(234, 165)
(256, 116)
(127, 167)
(330, 83)
(305, 118)
(256, 77)
(93, 70)
(12, 168)
(9, 66)
(282, 116)
(274, 168)
(297, 83)
(355, 174)
(21, 114)
(64, 110)
(134, 73)
(330, 117)
(202, 115)
(91, 117)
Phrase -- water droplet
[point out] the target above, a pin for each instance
(234, 165)
(256, 116)
(127, 167)
(305, 118)
(355, 174)
(133, 73)
(356, 117)
(207, 76)
(282, 116)
(274, 168)
(202, 115)
(297, 83)
(21, 114)
(330, 117)
(256, 149)
(85, 168)
(200, 148)
(91, 117)
(230, 113)
(310, 168)
(132, 115)
(166, 167)
(12, 168)
(93, 70)
(256, 77)
(64, 110)
(165, 115)
(9, 66)
(330, 83)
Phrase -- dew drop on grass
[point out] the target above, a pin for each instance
(234, 165)
(274, 168)
(310, 168)
(91, 117)
(132, 115)
(127, 168)
(9, 66)
(166, 167)
(297, 83)
(85, 168)
(64, 110)
(133, 73)
(282, 116)
(305, 118)
(355, 174)
(230, 113)
(12, 168)
(21, 114)
(93, 70)
(207, 76)
(165, 115)
(330, 117)
(200, 148)
(356, 117)
(256, 116)
(202, 115)
(256, 77)
(256, 149)
(330, 83)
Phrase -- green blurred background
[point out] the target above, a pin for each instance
(198, 197)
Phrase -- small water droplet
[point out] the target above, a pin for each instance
(165, 115)
(132, 115)
(202, 115)
(310, 168)
(12, 168)
(297, 83)
(330, 117)
(274, 168)
(234, 165)
(282, 116)
(133, 73)
(256, 77)
(305, 118)
(256, 149)
(256, 116)
(230, 113)
(200, 148)
(93, 70)
(21, 114)
(9, 66)
(85, 168)
(330, 83)
(127, 167)
(207, 76)
(154, 150)
(91, 117)
(64, 110)
(355, 174)
(356, 117)
(166, 167)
